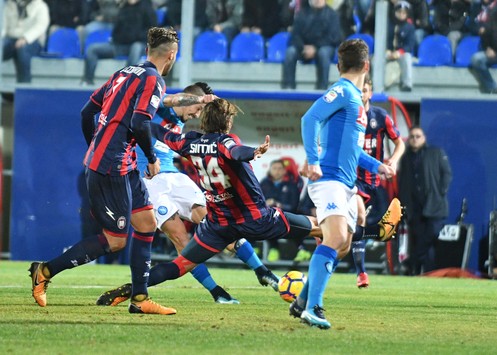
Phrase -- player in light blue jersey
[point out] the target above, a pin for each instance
(175, 198)
(336, 125)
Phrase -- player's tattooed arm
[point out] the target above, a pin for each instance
(184, 99)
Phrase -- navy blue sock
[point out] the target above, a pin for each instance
(202, 275)
(139, 261)
(245, 252)
(320, 269)
(358, 254)
(83, 252)
(163, 272)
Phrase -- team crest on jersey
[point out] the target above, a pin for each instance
(154, 101)
(121, 222)
(162, 210)
(373, 123)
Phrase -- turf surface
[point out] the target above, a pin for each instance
(396, 315)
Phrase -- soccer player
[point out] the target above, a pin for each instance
(118, 196)
(236, 208)
(380, 124)
(176, 198)
(338, 121)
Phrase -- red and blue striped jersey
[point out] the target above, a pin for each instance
(227, 179)
(380, 124)
(133, 90)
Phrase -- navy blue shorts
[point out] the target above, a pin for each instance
(114, 198)
(211, 238)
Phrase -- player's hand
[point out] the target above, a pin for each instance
(392, 163)
(152, 169)
(385, 171)
(208, 98)
(263, 148)
(313, 172)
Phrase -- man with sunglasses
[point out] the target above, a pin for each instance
(424, 178)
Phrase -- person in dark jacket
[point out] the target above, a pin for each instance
(315, 35)
(282, 192)
(424, 178)
(483, 60)
(401, 44)
(129, 37)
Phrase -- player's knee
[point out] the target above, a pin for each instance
(115, 243)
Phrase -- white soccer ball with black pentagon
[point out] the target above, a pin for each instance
(291, 284)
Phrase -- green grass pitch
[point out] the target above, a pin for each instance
(396, 315)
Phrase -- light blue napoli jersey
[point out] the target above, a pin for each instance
(167, 118)
(337, 123)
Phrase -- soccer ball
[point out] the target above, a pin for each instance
(291, 284)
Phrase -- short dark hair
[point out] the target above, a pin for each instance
(352, 54)
(217, 115)
(161, 36)
(199, 88)
(205, 87)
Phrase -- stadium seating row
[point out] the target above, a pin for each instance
(434, 50)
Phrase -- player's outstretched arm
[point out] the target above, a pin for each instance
(184, 99)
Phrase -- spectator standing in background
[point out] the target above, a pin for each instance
(483, 60)
(450, 19)
(173, 17)
(25, 24)
(66, 13)
(424, 178)
(280, 192)
(225, 16)
(262, 17)
(401, 44)
(100, 15)
(315, 35)
(128, 37)
(345, 11)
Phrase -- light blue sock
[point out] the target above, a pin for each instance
(320, 270)
(246, 253)
(202, 275)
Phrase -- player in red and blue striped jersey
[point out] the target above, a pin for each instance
(118, 197)
(236, 207)
(380, 125)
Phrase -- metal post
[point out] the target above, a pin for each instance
(380, 45)
(186, 44)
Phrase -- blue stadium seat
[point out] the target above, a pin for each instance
(366, 38)
(465, 49)
(276, 47)
(210, 46)
(434, 50)
(63, 43)
(98, 36)
(247, 47)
